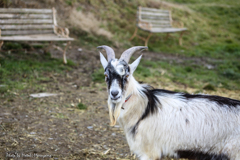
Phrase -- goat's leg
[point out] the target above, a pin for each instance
(238, 156)
(144, 157)
(232, 148)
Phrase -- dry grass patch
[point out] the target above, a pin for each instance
(88, 23)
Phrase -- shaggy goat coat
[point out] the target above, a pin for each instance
(160, 123)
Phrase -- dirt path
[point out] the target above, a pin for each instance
(54, 126)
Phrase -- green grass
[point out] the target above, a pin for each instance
(20, 70)
(213, 33)
(225, 74)
(70, 2)
(81, 106)
(98, 75)
(213, 26)
(197, 76)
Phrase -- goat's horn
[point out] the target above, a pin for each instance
(109, 51)
(126, 55)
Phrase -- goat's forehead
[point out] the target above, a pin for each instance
(118, 66)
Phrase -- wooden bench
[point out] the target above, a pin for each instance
(155, 21)
(32, 25)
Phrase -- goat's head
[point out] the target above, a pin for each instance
(117, 75)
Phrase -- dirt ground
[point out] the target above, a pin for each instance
(54, 128)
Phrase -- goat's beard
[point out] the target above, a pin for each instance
(114, 110)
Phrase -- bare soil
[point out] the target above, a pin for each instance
(54, 128)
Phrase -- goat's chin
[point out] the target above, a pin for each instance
(116, 101)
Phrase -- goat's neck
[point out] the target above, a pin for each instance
(135, 106)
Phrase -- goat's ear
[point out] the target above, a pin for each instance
(103, 61)
(134, 65)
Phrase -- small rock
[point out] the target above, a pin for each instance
(40, 95)
(209, 66)
(113, 134)
(90, 127)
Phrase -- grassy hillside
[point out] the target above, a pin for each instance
(213, 26)
(213, 34)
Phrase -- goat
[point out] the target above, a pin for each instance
(160, 123)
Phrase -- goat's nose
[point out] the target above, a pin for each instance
(114, 93)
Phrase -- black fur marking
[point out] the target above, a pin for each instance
(222, 101)
(153, 101)
(201, 156)
(134, 128)
(152, 106)
(112, 75)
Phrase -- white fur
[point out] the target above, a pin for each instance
(209, 126)
(134, 65)
(115, 87)
(120, 70)
(180, 123)
(114, 62)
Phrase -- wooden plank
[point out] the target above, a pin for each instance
(154, 26)
(26, 21)
(153, 10)
(16, 27)
(26, 16)
(47, 37)
(161, 26)
(155, 18)
(154, 21)
(24, 10)
(167, 30)
(26, 32)
(157, 22)
(153, 14)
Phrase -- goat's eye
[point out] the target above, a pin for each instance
(127, 75)
(106, 77)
